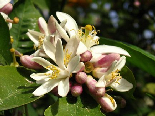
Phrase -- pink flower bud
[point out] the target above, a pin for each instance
(100, 91)
(98, 72)
(107, 103)
(76, 90)
(107, 60)
(7, 8)
(28, 63)
(136, 3)
(81, 77)
(86, 56)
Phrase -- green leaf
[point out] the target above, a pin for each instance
(5, 55)
(84, 105)
(28, 18)
(127, 74)
(139, 57)
(14, 88)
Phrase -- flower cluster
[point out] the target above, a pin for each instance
(73, 57)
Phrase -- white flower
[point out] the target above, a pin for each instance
(3, 3)
(113, 79)
(47, 32)
(57, 75)
(87, 38)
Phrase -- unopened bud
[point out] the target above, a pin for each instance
(81, 77)
(137, 3)
(7, 8)
(28, 63)
(98, 72)
(76, 90)
(100, 91)
(107, 103)
(107, 60)
(86, 56)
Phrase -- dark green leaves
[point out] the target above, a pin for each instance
(139, 57)
(5, 55)
(84, 105)
(14, 88)
(28, 17)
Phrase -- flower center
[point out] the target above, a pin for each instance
(87, 37)
(67, 57)
(55, 72)
(41, 40)
(115, 77)
(88, 67)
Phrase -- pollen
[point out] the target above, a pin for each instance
(67, 57)
(12, 50)
(11, 39)
(88, 67)
(41, 40)
(16, 20)
(55, 72)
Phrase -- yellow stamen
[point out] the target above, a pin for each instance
(15, 20)
(12, 50)
(67, 57)
(55, 72)
(88, 67)
(115, 76)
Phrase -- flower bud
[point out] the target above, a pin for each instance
(81, 77)
(107, 103)
(7, 8)
(98, 72)
(106, 61)
(28, 63)
(100, 91)
(55, 91)
(76, 90)
(86, 56)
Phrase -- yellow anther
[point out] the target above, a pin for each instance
(67, 57)
(16, 20)
(88, 27)
(88, 67)
(12, 50)
(55, 72)
(11, 39)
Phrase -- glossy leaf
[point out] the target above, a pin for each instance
(14, 88)
(28, 18)
(5, 55)
(139, 57)
(127, 74)
(84, 105)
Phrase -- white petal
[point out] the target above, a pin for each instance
(101, 82)
(95, 57)
(120, 64)
(73, 64)
(79, 67)
(63, 87)
(102, 49)
(59, 55)
(43, 26)
(49, 49)
(41, 61)
(71, 25)
(51, 24)
(81, 48)
(122, 85)
(40, 76)
(46, 87)
(72, 46)
(62, 32)
(4, 2)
